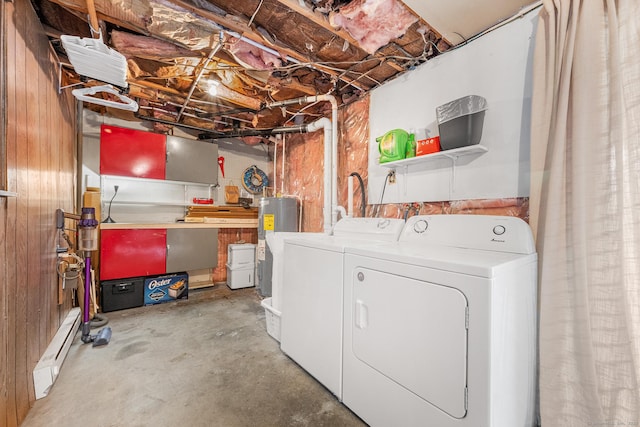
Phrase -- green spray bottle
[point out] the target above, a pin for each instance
(411, 145)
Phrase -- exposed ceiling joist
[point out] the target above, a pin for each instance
(272, 50)
(318, 19)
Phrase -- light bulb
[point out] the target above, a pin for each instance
(213, 88)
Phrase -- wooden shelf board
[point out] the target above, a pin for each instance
(200, 285)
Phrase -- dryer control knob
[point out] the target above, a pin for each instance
(499, 230)
(420, 226)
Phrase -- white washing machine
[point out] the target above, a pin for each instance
(440, 327)
(311, 322)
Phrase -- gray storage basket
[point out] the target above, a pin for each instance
(460, 121)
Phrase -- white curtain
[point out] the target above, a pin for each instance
(585, 210)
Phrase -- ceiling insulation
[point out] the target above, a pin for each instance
(373, 23)
(272, 50)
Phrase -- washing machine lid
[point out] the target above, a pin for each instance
(385, 229)
(473, 262)
(333, 243)
(352, 232)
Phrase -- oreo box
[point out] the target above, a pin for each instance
(168, 287)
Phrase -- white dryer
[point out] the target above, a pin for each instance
(440, 327)
(311, 321)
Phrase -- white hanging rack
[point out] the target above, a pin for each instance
(85, 94)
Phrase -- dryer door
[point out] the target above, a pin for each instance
(414, 333)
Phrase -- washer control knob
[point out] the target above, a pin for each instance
(499, 230)
(420, 226)
(360, 276)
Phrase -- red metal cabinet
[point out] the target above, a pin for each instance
(132, 253)
(129, 152)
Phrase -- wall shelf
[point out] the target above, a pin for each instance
(471, 150)
(428, 160)
(154, 203)
(138, 199)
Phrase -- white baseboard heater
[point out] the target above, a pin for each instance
(48, 368)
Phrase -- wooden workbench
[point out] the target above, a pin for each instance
(192, 223)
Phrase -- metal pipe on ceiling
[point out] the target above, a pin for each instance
(215, 50)
(256, 132)
(214, 134)
(180, 125)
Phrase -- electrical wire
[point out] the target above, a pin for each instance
(255, 13)
(382, 194)
(525, 10)
(64, 274)
(265, 148)
(330, 65)
(362, 197)
(299, 112)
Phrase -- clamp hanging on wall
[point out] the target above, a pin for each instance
(221, 164)
(254, 180)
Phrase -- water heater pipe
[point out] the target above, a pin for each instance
(275, 165)
(282, 175)
(325, 124)
(331, 208)
(350, 196)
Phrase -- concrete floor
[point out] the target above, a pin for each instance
(207, 361)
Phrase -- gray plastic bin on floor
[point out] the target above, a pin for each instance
(460, 121)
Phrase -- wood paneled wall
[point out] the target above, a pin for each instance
(41, 158)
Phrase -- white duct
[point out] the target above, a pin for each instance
(334, 157)
(325, 124)
(275, 165)
(330, 207)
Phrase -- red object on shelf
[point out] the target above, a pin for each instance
(427, 146)
(132, 253)
(221, 163)
(200, 201)
(129, 152)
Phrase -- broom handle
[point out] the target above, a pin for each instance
(86, 316)
(93, 19)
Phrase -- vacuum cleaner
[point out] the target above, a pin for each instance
(87, 242)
